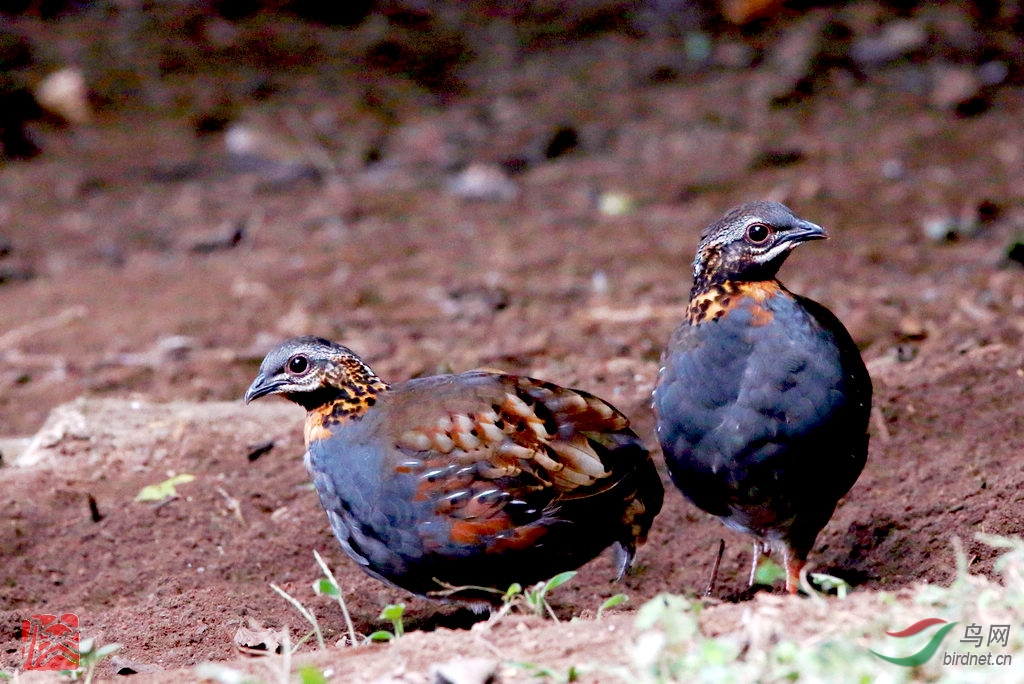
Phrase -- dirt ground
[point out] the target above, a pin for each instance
(530, 203)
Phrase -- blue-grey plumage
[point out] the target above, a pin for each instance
(477, 479)
(763, 399)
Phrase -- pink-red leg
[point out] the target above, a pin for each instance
(794, 566)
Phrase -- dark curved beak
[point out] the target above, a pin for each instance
(261, 387)
(804, 231)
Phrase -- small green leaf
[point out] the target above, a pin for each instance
(768, 572)
(165, 489)
(381, 635)
(673, 613)
(534, 669)
(558, 580)
(393, 613)
(311, 675)
(325, 587)
(611, 602)
(513, 590)
(831, 583)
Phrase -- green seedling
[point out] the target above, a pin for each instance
(544, 672)
(393, 613)
(311, 675)
(222, 674)
(325, 586)
(89, 657)
(611, 602)
(328, 586)
(164, 490)
(304, 612)
(769, 572)
(829, 584)
(515, 589)
(534, 598)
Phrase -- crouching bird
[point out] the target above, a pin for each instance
(763, 399)
(456, 486)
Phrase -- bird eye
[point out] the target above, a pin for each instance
(758, 233)
(298, 364)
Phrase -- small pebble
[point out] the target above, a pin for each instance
(893, 169)
(993, 73)
(953, 85)
(905, 353)
(465, 671)
(742, 12)
(565, 140)
(65, 93)
(897, 39)
(1016, 249)
(227, 241)
(945, 229)
(124, 666)
(911, 329)
(483, 182)
(615, 203)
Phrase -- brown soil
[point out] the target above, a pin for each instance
(116, 219)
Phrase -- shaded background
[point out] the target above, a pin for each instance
(448, 185)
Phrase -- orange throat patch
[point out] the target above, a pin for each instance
(723, 298)
(321, 420)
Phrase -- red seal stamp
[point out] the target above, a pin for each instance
(50, 642)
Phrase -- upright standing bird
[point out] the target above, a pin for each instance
(763, 398)
(472, 480)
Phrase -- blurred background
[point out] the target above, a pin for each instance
(442, 186)
(182, 183)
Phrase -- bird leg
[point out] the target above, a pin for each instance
(794, 566)
(714, 569)
(759, 548)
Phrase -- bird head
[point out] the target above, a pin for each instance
(749, 243)
(312, 372)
